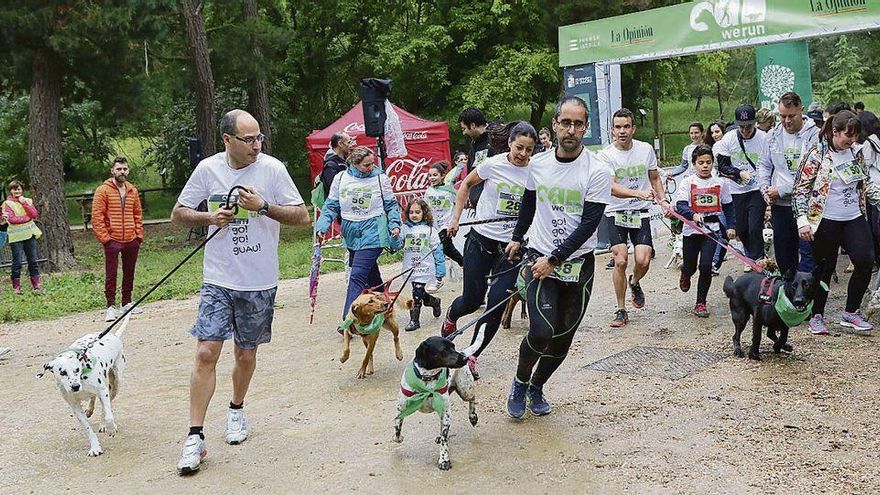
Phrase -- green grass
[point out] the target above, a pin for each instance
(164, 247)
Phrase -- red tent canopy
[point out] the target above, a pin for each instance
(427, 143)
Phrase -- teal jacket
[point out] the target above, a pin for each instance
(370, 233)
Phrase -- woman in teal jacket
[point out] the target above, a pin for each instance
(363, 198)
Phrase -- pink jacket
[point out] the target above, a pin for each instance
(29, 208)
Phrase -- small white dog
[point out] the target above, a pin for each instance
(91, 368)
(676, 244)
(768, 243)
(427, 383)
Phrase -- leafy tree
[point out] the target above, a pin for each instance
(846, 79)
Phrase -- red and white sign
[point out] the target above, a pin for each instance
(427, 143)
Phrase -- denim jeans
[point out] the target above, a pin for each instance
(25, 249)
(364, 274)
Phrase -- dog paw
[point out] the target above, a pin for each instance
(397, 439)
(474, 419)
(445, 465)
(344, 358)
(95, 451)
(110, 428)
(754, 356)
(361, 375)
(739, 353)
(398, 354)
(787, 348)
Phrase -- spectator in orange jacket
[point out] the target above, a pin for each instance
(118, 222)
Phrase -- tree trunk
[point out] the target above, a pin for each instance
(258, 91)
(718, 93)
(45, 160)
(197, 44)
(699, 102)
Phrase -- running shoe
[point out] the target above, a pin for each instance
(136, 311)
(537, 403)
(716, 270)
(684, 282)
(472, 365)
(818, 326)
(638, 294)
(191, 457)
(4, 351)
(701, 311)
(610, 265)
(620, 318)
(236, 426)
(449, 326)
(516, 401)
(110, 314)
(856, 323)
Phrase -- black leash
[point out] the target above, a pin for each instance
(490, 220)
(458, 331)
(228, 206)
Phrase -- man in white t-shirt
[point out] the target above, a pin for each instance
(739, 156)
(635, 185)
(240, 267)
(779, 166)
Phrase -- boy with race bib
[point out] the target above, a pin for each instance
(702, 198)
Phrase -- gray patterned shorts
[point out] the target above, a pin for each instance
(244, 315)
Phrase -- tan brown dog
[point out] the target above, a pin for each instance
(362, 313)
(510, 308)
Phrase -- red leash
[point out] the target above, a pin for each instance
(690, 223)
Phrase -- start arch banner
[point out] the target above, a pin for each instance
(706, 25)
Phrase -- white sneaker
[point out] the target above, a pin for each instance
(4, 351)
(191, 457)
(110, 315)
(434, 286)
(136, 311)
(236, 426)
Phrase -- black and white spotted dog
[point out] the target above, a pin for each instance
(85, 372)
(437, 360)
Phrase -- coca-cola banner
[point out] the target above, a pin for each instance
(427, 143)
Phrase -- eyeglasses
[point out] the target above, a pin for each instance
(259, 138)
(568, 124)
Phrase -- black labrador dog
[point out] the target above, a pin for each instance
(745, 303)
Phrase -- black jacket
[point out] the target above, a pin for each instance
(478, 147)
(333, 164)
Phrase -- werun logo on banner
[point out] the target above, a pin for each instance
(736, 18)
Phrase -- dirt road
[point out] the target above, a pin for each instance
(804, 423)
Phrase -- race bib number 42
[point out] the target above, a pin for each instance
(628, 219)
(508, 204)
(569, 271)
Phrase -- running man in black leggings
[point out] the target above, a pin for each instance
(566, 194)
(504, 178)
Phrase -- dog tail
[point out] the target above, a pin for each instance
(124, 324)
(471, 349)
(405, 302)
(728, 286)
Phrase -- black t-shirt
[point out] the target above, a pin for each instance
(333, 164)
(480, 150)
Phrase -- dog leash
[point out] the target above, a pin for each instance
(228, 206)
(726, 245)
(458, 331)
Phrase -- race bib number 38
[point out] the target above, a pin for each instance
(706, 199)
(628, 219)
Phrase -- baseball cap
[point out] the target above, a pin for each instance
(745, 115)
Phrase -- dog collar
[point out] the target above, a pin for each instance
(367, 329)
(787, 312)
(417, 392)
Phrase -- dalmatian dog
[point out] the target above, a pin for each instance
(91, 369)
(437, 370)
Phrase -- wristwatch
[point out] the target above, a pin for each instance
(264, 210)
